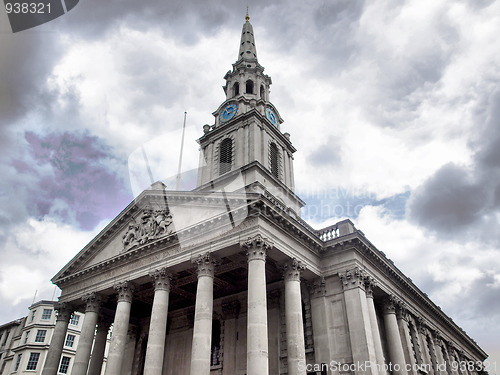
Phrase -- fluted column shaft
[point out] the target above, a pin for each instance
(82, 356)
(396, 354)
(358, 320)
(296, 350)
(319, 317)
(404, 332)
(377, 341)
(441, 364)
(120, 328)
(57, 342)
(158, 326)
(202, 330)
(101, 337)
(257, 334)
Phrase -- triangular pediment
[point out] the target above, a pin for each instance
(157, 217)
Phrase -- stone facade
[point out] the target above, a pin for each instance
(228, 279)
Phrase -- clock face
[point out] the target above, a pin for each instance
(271, 116)
(228, 112)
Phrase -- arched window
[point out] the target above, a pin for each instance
(236, 89)
(262, 91)
(249, 88)
(225, 156)
(274, 159)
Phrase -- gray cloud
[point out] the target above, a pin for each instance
(69, 176)
(465, 197)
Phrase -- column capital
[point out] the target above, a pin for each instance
(370, 283)
(64, 311)
(317, 288)
(256, 247)
(125, 291)
(401, 311)
(420, 321)
(205, 265)
(231, 309)
(352, 278)
(292, 270)
(92, 301)
(436, 338)
(161, 279)
(391, 303)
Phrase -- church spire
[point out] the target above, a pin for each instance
(247, 44)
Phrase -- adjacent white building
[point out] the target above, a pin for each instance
(25, 342)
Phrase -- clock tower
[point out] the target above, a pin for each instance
(246, 143)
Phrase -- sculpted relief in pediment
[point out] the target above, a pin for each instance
(149, 225)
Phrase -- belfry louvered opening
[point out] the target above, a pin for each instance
(273, 154)
(225, 156)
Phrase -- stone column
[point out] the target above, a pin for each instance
(82, 356)
(463, 363)
(101, 337)
(155, 350)
(422, 336)
(296, 350)
(202, 330)
(317, 292)
(441, 364)
(56, 344)
(396, 354)
(377, 341)
(450, 356)
(358, 321)
(404, 332)
(120, 328)
(257, 335)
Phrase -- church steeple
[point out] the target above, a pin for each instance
(247, 45)
(246, 138)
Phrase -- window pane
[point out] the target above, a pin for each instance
(47, 313)
(40, 335)
(18, 361)
(33, 361)
(63, 368)
(70, 340)
(74, 319)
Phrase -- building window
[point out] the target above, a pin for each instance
(236, 89)
(225, 156)
(262, 91)
(40, 335)
(70, 340)
(18, 362)
(33, 315)
(249, 88)
(26, 337)
(6, 337)
(74, 320)
(274, 160)
(33, 361)
(47, 314)
(63, 368)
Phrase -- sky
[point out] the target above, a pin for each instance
(394, 104)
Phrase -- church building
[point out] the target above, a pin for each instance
(228, 279)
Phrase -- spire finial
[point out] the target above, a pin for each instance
(247, 17)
